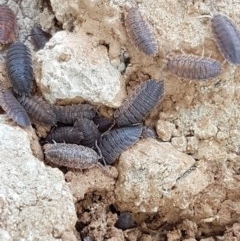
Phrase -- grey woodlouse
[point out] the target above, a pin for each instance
(65, 134)
(149, 132)
(13, 108)
(140, 33)
(103, 123)
(38, 109)
(72, 155)
(39, 37)
(136, 108)
(8, 25)
(227, 37)
(125, 221)
(116, 141)
(193, 67)
(90, 131)
(19, 68)
(70, 113)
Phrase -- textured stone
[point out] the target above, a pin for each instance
(73, 65)
(180, 143)
(147, 173)
(164, 130)
(31, 194)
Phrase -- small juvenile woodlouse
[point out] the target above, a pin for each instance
(19, 68)
(71, 155)
(8, 25)
(136, 108)
(39, 37)
(65, 134)
(116, 141)
(140, 33)
(90, 131)
(70, 113)
(38, 109)
(13, 108)
(193, 67)
(227, 37)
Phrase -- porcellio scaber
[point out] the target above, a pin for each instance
(39, 37)
(38, 109)
(227, 37)
(136, 108)
(114, 142)
(70, 113)
(71, 155)
(89, 130)
(65, 134)
(140, 33)
(8, 25)
(193, 67)
(19, 68)
(13, 108)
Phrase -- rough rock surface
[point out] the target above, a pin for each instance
(147, 173)
(35, 201)
(74, 65)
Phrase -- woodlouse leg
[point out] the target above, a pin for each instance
(105, 170)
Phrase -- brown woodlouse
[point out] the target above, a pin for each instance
(13, 108)
(70, 113)
(90, 131)
(39, 37)
(140, 33)
(227, 37)
(8, 25)
(65, 134)
(116, 141)
(38, 109)
(193, 67)
(19, 68)
(71, 155)
(136, 108)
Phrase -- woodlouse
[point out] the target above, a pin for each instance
(103, 123)
(90, 131)
(136, 108)
(13, 108)
(140, 33)
(149, 132)
(71, 155)
(19, 68)
(193, 67)
(227, 37)
(8, 25)
(70, 113)
(125, 221)
(65, 134)
(116, 141)
(39, 37)
(38, 109)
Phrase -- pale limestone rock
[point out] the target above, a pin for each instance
(204, 129)
(192, 144)
(180, 143)
(147, 173)
(210, 150)
(164, 130)
(74, 65)
(35, 201)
